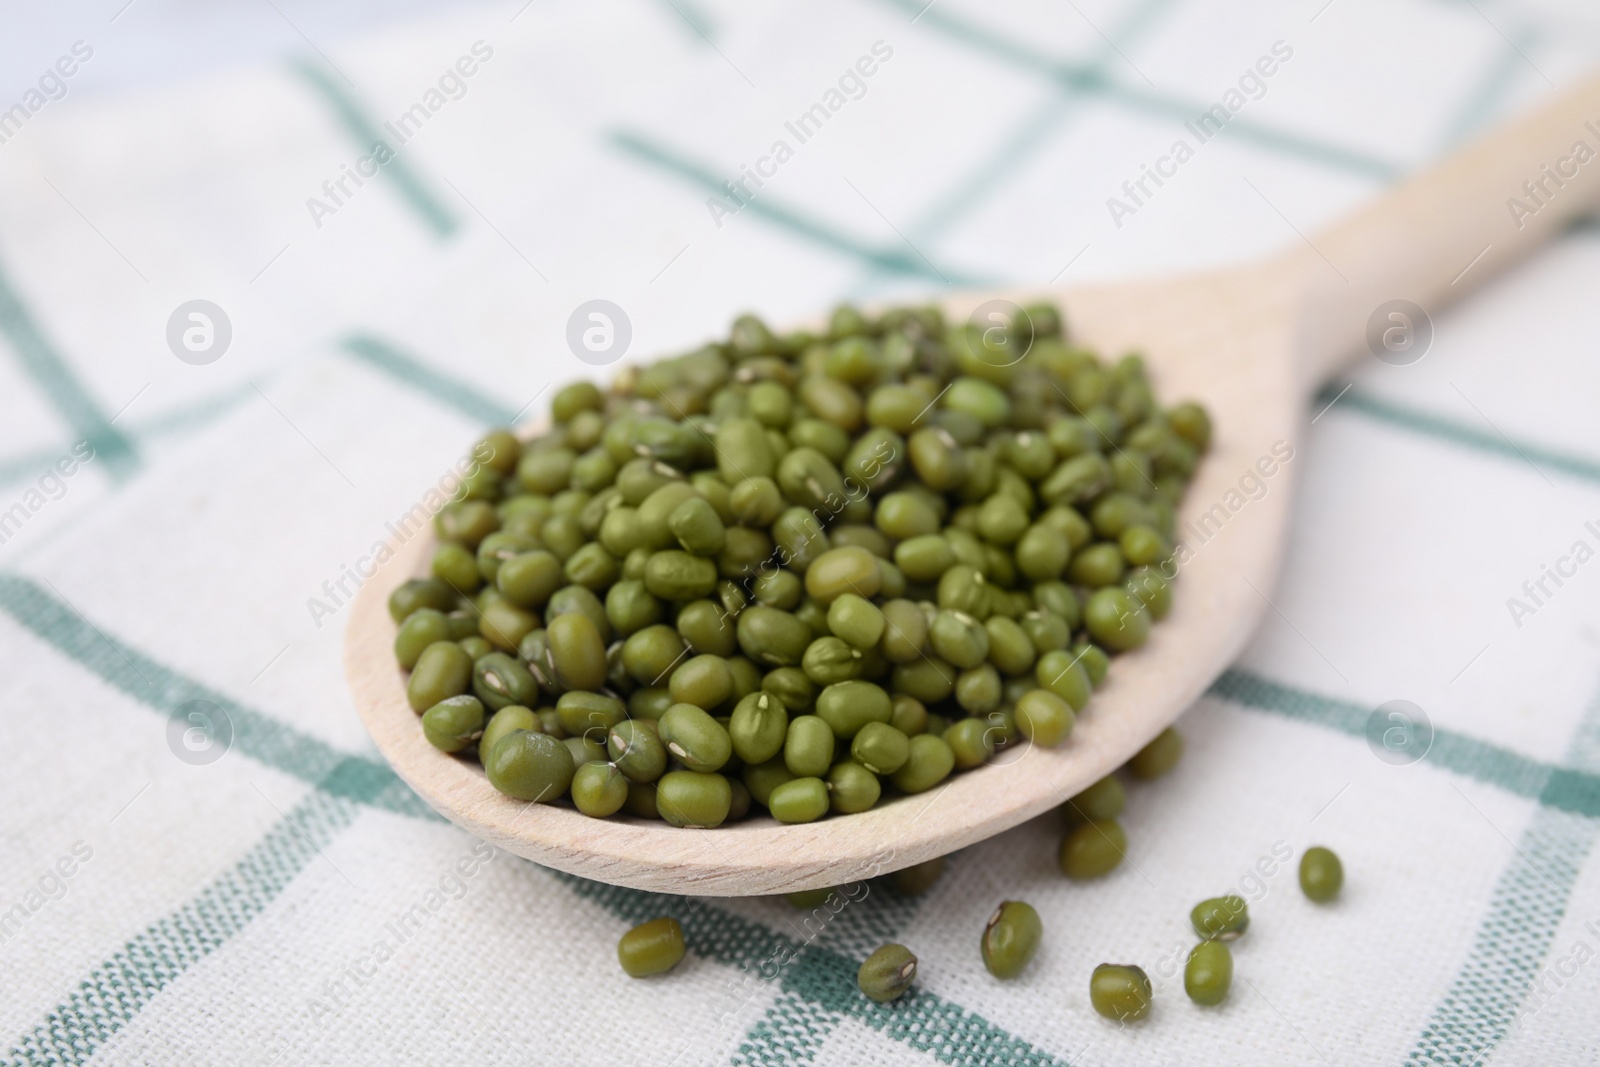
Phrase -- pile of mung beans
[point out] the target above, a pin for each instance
(800, 573)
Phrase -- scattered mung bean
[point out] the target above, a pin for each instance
(1120, 991)
(918, 878)
(1094, 849)
(1159, 756)
(1321, 874)
(887, 973)
(1208, 974)
(1221, 918)
(651, 948)
(1011, 938)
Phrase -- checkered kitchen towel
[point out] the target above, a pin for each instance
(282, 898)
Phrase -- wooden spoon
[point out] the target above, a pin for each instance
(1252, 344)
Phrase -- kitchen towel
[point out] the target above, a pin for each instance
(266, 891)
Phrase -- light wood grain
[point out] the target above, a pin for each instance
(1249, 343)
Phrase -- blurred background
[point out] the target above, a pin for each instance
(184, 158)
(362, 318)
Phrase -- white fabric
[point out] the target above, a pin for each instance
(1467, 898)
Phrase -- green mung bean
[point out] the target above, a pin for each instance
(1321, 874)
(1208, 973)
(1120, 991)
(651, 948)
(1010, 938)
(693, 798)
(1220, 918)
(1104, 799)
(454, 723)
(1159, 756)
(694, 738)
(599, 789)
(852, 787)
(636, 748)
(917, 878)
(530, 766)
(887, 973)
(1094, 849)
(506, 720)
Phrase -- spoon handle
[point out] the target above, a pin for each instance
(1445, 230)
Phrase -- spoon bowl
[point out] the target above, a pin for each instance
(1250, 344)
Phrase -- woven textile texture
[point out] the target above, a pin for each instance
(292, 902)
